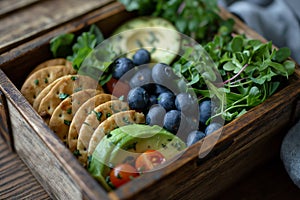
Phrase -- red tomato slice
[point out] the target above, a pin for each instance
(122, 173)
(148, 160)
(117, 88)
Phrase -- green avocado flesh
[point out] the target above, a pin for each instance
(129, 142)
(157, 35)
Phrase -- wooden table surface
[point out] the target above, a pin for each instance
(16, 180)
(270, 181)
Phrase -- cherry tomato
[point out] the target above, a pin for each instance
(117, 88)
(148, 160)
(122, 173)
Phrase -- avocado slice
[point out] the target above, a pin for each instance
(142, 138)
(157, 35)
(131, 141)
(101, 156)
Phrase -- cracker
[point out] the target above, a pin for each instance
(52, 62)
(81, 114)
(63, 114)
(92, 121)
(66, 86)
(43, 93)
(41, 78)
(116, 120)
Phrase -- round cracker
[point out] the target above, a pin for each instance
(66, 86)
(115, 121)
(52, 62)
(41, 78)
(81, 114)
(92, 121)
(63, 114)
(43, 93)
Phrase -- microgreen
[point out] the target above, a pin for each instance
(251, 71)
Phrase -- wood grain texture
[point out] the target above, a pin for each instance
(243, 145)
(21, 58)
(27, 23)
(49, 160)
(16, 180)
(269, 181)
(5, 128)
(7, 6)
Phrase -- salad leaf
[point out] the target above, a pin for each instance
(61, 46)
(282, 54)
(85, 44)
(250, 70)
(76, 51)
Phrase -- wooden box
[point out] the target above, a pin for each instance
(245, 143)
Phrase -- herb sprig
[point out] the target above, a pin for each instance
(82, 52)
(65, 45)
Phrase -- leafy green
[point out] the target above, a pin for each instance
(85, 44)
(251, 72)
(144, 7)
(197, 19)
(83, 54)
(76, 51)
(61, 46)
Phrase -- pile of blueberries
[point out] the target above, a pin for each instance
(159, 93)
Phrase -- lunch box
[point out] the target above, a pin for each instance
(245, 143)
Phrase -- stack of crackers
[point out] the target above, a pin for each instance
(75, 106)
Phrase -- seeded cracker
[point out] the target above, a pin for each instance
(63, 114)
(92, 121)
(40, 79)
(81, 115)
(52, 62)
(65, 87)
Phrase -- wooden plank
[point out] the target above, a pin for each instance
(5, 127)
(268, 181)
(21, 57)
(16, 181)
(7, 6)
(25, 24)
(244, 144)
(46, 156)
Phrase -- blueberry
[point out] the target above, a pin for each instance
(164, 75)
(166, 100)
(138, 98)
(155, 116)
(142, 56)
(212, 127)
(160, 89)
(186, 103)
(194, 137)
(142, 77)
(121, 66)
(172, 121)
(152, 99)
(150, 88)
(204, 111)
